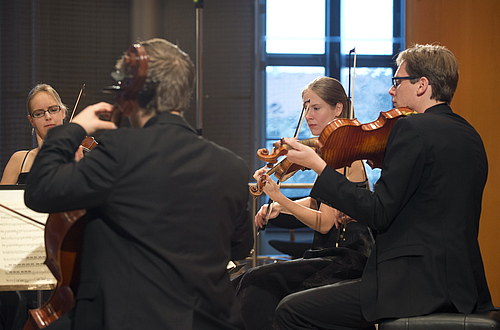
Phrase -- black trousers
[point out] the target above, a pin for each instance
(260, 289)
(335, 307)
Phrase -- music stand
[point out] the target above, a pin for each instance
(22, 247)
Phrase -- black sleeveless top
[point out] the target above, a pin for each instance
(21, 179)
(356, 237)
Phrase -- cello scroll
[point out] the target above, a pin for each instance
(129, 83)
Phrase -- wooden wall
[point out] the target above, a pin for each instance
(471, 30)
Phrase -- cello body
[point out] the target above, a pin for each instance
(63, 242)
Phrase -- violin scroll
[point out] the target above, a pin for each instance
(258, 189)
(281, 149)
(282, 171)
(285, 168)
(272, 157)
(88, 143)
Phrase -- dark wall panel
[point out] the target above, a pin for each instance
(62, 43)
(68, 43)
(228, 69)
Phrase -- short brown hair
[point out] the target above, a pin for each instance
(437, 64)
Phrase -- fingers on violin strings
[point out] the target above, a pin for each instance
(287, 140)
(260, 172)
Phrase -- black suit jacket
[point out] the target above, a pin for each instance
(165, 209)
(425, 208)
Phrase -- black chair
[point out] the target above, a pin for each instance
(444, 321)
(295, 249)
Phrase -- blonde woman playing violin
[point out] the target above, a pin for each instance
(260, 289)
(45, 110)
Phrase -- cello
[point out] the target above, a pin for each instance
(64, 231)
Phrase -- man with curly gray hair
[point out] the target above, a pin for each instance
(166, 208)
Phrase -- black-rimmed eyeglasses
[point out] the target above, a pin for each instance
(397, 80)
(41, 113)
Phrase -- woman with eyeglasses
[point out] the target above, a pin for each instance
(45, 110)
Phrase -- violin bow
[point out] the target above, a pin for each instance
(305, 110)
(303, 113)
(350, 115)
(351, 96)
(23, 215)
(76, 103)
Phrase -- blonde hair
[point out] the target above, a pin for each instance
(43, 88)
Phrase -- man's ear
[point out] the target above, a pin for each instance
(423, 86)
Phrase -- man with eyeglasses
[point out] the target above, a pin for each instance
(425, 208)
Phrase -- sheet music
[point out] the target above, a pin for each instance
(22, 249)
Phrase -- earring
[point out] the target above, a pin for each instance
(32, 131)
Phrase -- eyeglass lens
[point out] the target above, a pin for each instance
(41, 113)
(396, 81)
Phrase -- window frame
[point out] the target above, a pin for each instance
(332, 60)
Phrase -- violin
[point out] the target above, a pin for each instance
(64, 231)
(285, 168)
(342, 142)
